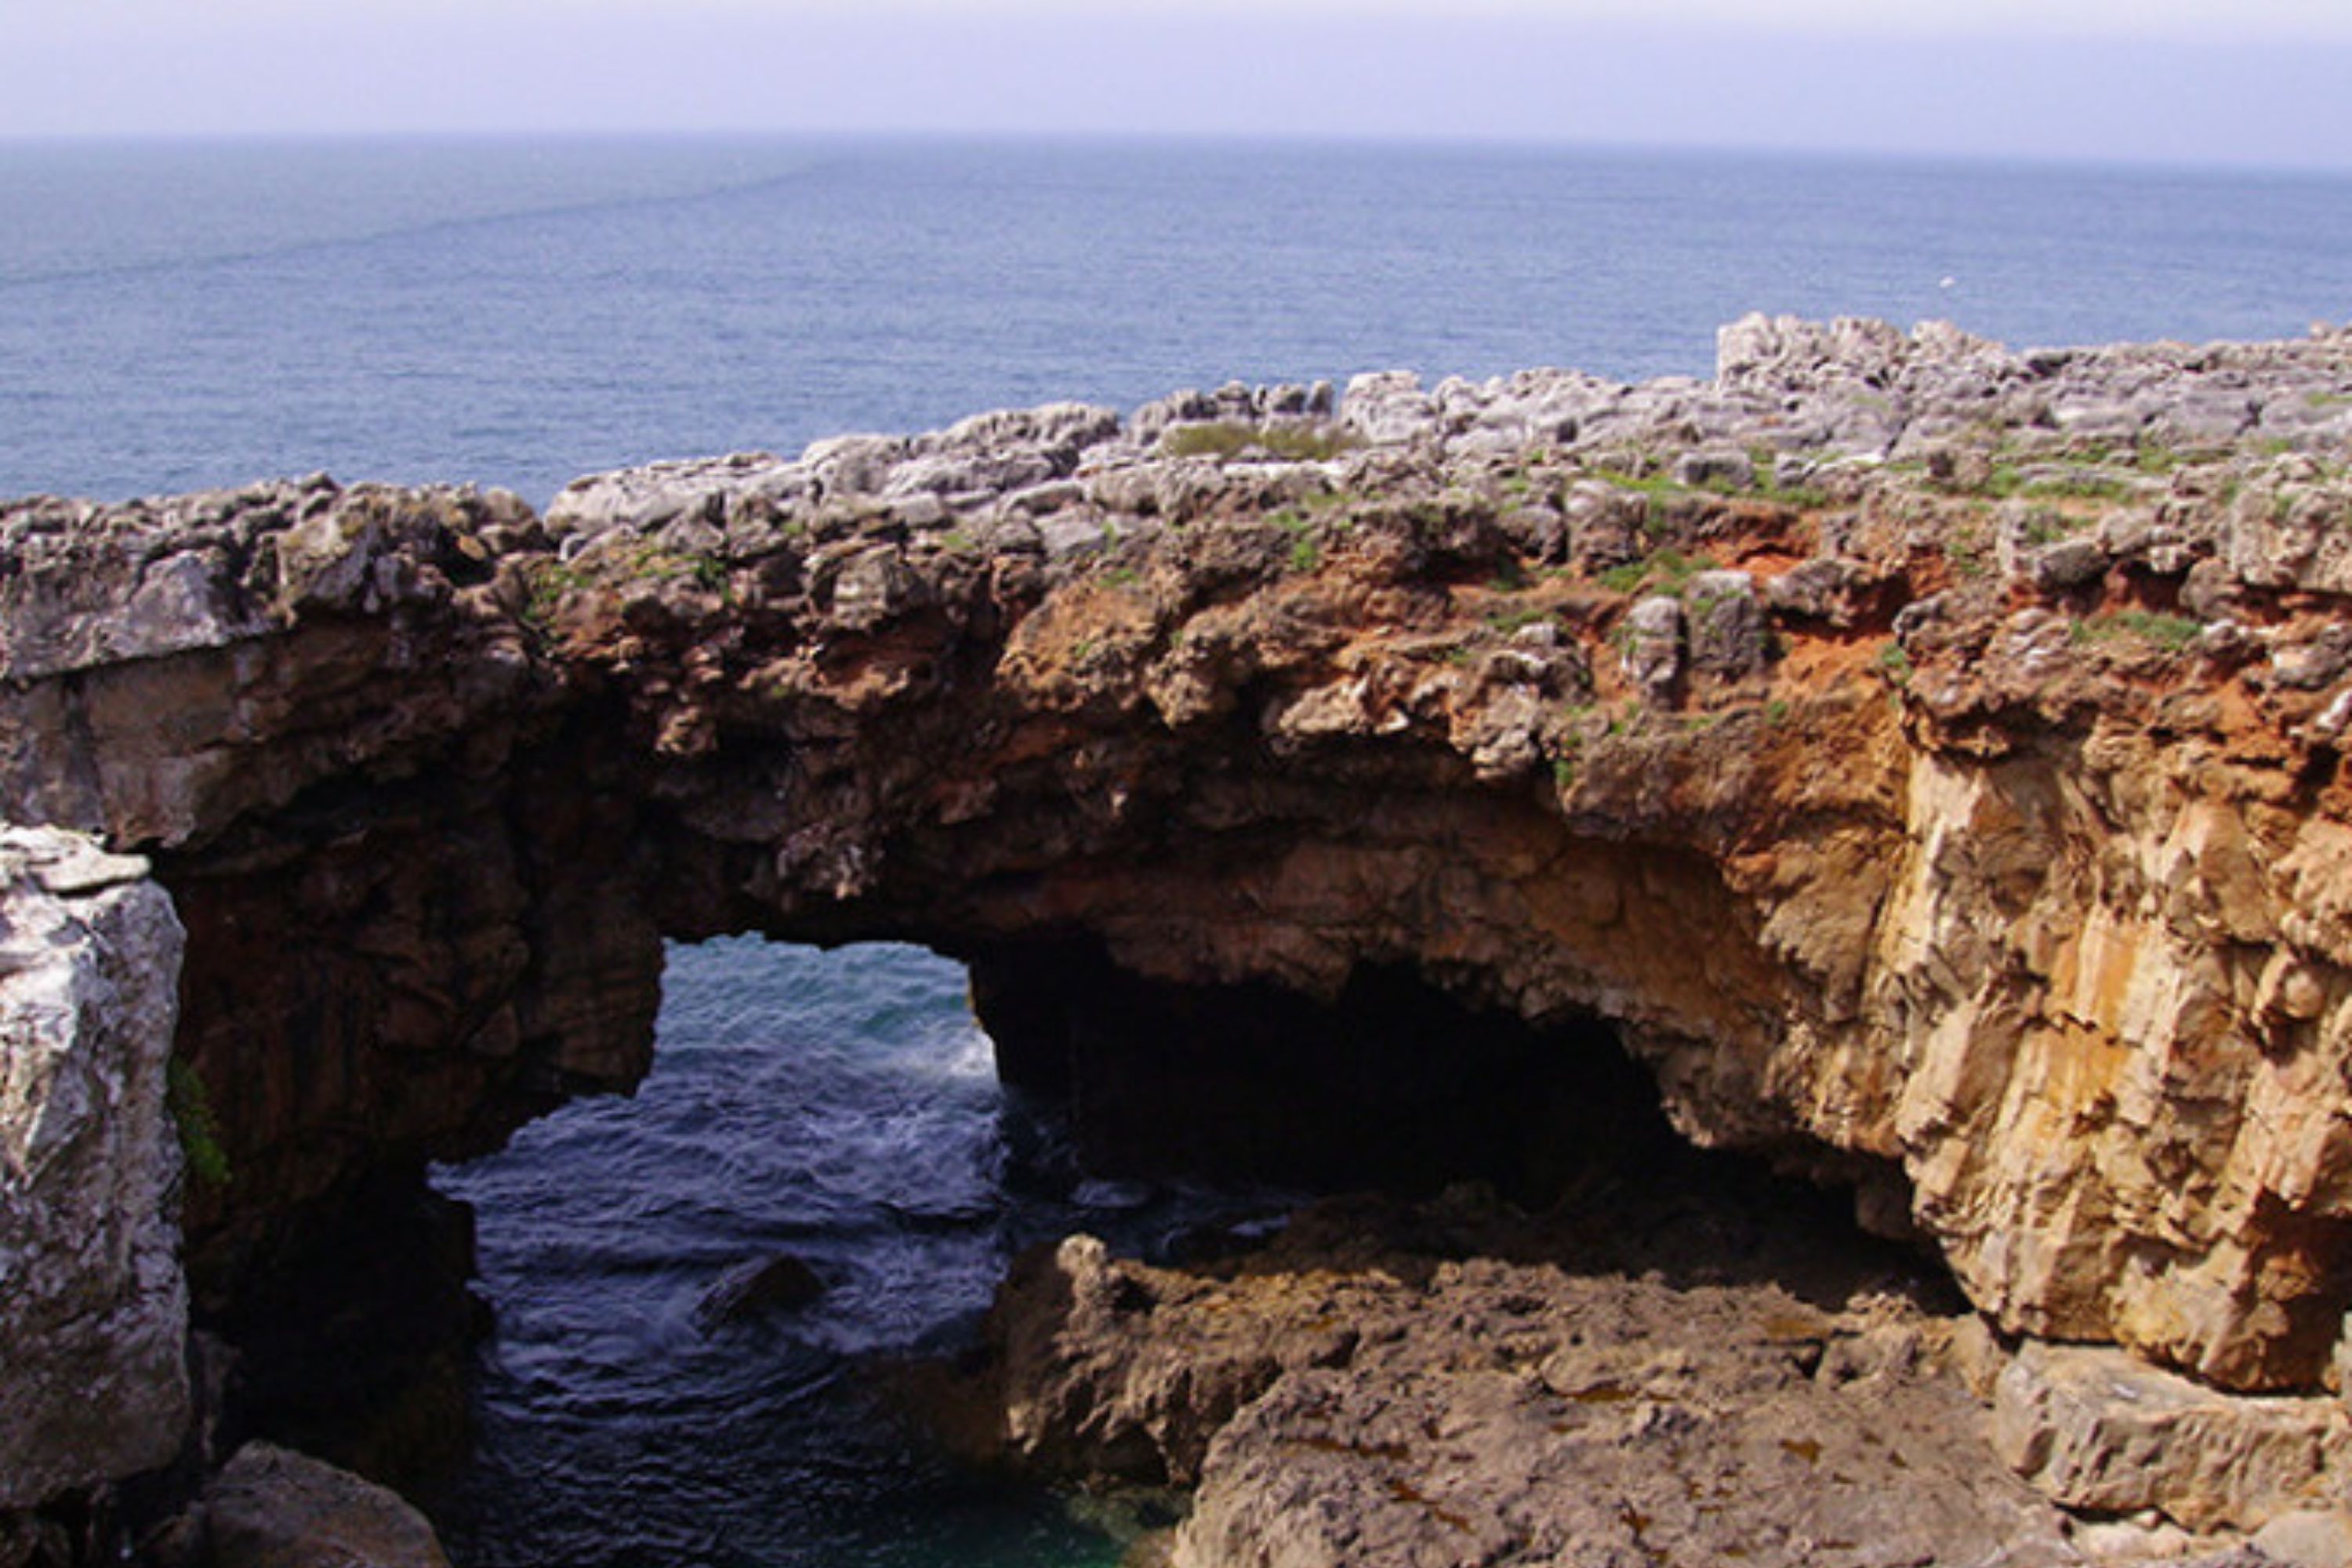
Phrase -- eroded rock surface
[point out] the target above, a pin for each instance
(1925, 756)
(94, 1311)
(1693, 1372)
(2102, 1433)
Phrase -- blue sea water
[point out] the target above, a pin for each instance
(838, 1107)
(517, 313)
(174, 316)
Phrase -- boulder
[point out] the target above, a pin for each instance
(93, 1307)
(272, 1508)
(779, 1284)
(2098, 1430)
(1653, 645)
(1728, 470)
(1820, 589)
(1727, 624)
(2067, 564)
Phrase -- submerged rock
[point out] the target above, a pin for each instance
(754, 1290)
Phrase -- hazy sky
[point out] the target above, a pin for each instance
(2227, 81)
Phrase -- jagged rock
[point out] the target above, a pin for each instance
(271, 1507)
(1387, 406)
(872, 587)
(1727, 624)
(2098, 1431)
(93, 1315)
(2067, 564)
(643, 499)
(2313, 664)
(1358, 1392)
(1820, 589)
(1069, 533)
(1733, 468)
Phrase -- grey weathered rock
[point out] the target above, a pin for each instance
(650, 497)
(2287, 529)
(2313, 664)
(1729, 467)
(851, 466)
(2096, 1429)
(2208, 591)
(873, 587)
(1654, 644)
(1503, 740)
(271, 1507)
(93, 1308)
(2068, 564)
(1726, 623)
(1820, 589)
(1387, 405)
(1069, 533)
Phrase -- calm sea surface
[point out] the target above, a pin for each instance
(517, 314)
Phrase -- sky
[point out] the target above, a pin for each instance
(2243, 83)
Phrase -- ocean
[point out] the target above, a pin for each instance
(515, 313)
(840, 1107)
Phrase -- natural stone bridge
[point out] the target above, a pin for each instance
(1923, 758)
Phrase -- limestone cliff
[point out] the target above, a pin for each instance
(94, 1311)
(1925, 756)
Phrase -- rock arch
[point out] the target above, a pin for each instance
(1898, 829)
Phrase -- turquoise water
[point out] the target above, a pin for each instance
(173, 317)
(519, 313)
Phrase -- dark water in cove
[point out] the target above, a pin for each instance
(839, 1107)
(517, 314)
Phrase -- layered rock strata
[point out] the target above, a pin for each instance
(1924, 756)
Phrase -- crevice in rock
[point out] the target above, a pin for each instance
(350, 1331)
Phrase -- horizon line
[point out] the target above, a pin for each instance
(1813, 151)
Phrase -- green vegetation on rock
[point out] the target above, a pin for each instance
(2171, 633)
(191, 1106)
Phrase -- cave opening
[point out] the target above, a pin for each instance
(1391, 1084)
